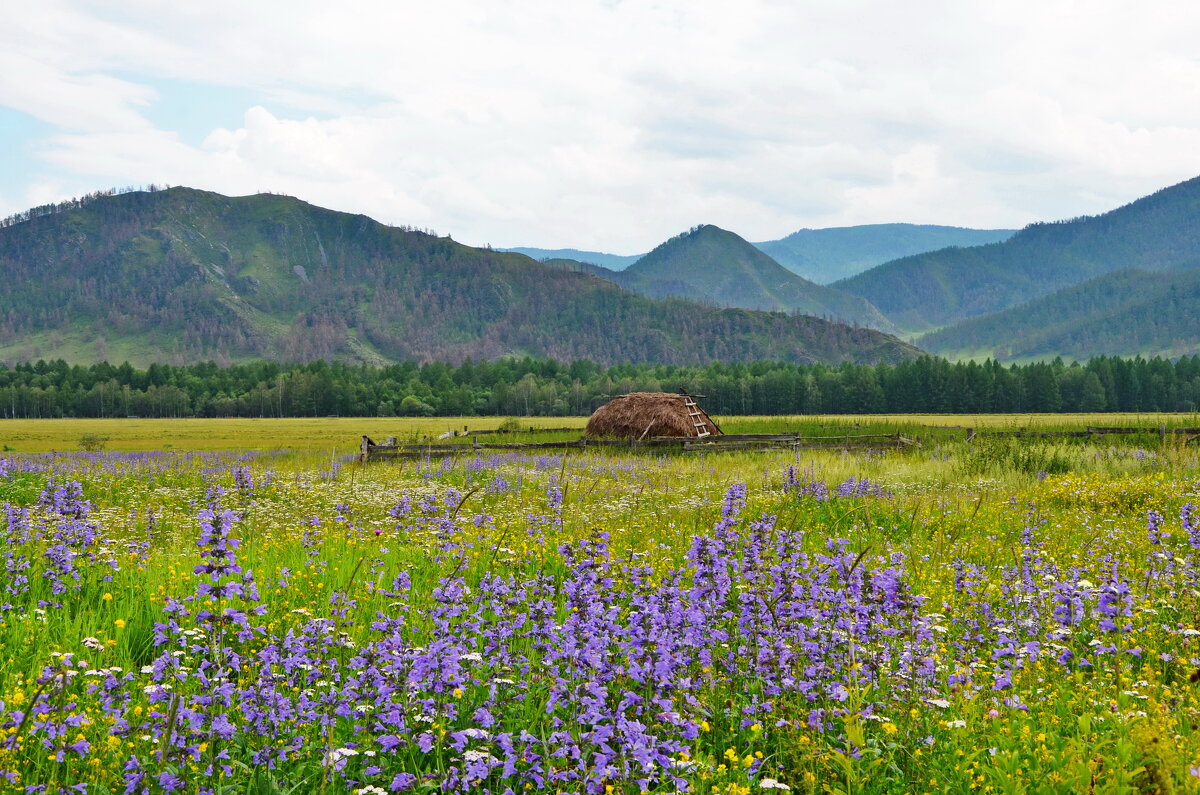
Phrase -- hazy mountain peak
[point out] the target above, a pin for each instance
(730, 271)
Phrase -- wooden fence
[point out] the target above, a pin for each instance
(1089, 432)
(370, 451)
(745, 441)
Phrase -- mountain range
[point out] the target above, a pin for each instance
(1119, 283)
(925, 292)
(820, 255)
(826, 255)
(184, 275)
(718, 267)
(1129, 312)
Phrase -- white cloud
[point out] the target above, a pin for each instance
(616, 124)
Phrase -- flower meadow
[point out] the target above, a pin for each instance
(209, 623)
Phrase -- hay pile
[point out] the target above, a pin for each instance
(646, 414)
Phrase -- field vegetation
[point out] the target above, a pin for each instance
(994, 615)
(342, 434)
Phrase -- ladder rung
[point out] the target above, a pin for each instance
(697, 418)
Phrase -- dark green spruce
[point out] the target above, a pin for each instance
(524, 387)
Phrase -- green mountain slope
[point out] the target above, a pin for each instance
(729, 271)
(184, 275)
(1158, 232)
(1126, 313)
(826, 255)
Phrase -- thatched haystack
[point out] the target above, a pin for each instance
(642, 415)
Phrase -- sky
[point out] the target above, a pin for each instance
(609, 125)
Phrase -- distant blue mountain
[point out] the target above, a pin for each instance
(614, 262)
(717, 267)
(822, 255)
(826, 255)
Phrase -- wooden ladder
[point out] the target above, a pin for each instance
(697, 418)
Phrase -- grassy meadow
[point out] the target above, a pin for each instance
(237, 606)
(341, 434)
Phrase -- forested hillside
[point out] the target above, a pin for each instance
(545, 388)
(730, 271)
(634, 281)
(1126, 313)
(183, 275)
(1156, 233)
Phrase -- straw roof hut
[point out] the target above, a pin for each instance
(642, 415)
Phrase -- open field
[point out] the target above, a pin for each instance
(316, 434)
(1002, 615)
(341, 434)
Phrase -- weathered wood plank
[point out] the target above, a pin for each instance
(370, 450)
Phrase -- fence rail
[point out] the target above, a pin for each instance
(1090, 431)
(370, 451)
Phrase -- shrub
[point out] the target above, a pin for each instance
(510, 425)
(92, 442)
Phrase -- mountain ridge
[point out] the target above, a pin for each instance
(729, 270)
(613, 262)
(820, 255)
(926, 291)
(832, 253)
(185, 275)
(1124, 313)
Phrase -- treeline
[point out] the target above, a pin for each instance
(528, 387)
(75, 203)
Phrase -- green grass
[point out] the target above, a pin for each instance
(342, 434)
(338, 434)
(952, 502)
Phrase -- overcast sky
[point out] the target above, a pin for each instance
(605, 124)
